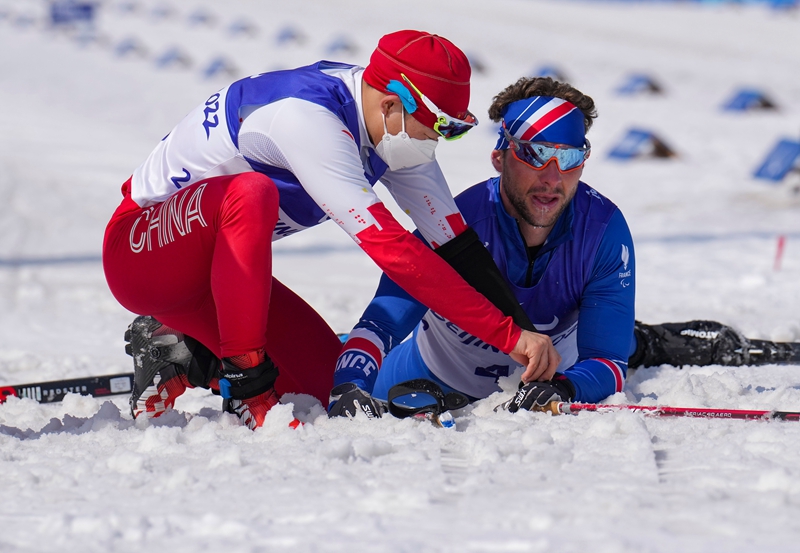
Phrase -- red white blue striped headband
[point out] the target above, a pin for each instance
(543, 119)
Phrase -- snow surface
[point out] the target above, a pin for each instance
(82, 476)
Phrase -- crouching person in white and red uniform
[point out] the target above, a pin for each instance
(189, 248)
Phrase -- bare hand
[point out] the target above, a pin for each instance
(536, 353)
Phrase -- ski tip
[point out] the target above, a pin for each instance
(6, 392)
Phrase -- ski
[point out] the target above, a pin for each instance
(55, 390)
(762, 352)
(565, 408)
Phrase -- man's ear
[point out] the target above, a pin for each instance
(497, 159)
(388, 103)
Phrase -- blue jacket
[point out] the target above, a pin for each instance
(579, 290)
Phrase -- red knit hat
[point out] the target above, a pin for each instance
(434, 64)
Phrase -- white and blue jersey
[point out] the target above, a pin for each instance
(579, 290)
(304, 129)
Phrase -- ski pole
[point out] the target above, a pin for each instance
(565, 408)
(55, 390)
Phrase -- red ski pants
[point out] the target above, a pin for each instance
(201, 263)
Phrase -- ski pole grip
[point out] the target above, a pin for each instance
(553, 407)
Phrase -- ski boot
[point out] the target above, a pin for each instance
(705, 343)
(247, 386)
(165, 363)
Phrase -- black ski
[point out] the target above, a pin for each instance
(762, 352)
(55, 390)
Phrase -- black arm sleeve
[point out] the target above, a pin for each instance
(470, 258)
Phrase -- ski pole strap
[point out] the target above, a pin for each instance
(443, 402)
(559, 408)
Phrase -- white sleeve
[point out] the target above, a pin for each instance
(314, 144)
(423, 193)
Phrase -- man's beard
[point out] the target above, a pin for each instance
(523, 208)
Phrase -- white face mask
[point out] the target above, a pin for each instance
(400, 150)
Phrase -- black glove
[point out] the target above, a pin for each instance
(470, 258)
(346, 399)
(534, 396)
